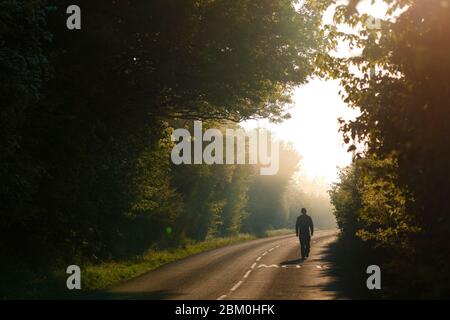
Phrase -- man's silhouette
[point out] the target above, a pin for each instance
(304, 229)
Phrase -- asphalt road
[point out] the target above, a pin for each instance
(261, 269)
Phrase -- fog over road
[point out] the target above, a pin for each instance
(266, 268)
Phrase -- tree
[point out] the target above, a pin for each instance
(266, 204)
(86, 117)
(404, 115)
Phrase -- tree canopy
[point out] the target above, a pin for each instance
(402, 179)
(86, 117)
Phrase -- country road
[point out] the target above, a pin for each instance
(266, 268)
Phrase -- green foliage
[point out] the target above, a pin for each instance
(383, 205)
(23, 71)
(193, 59)
(86, 117)
(107, 274)
(370, 203)
(266, 205)
(236, 200)
(346, 200)
(103, 275)
(402, 91)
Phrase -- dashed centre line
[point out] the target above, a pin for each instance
(291, 266)
(237, 285)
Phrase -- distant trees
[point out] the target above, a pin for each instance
(398, 192)
(303, 192)
(266, 195)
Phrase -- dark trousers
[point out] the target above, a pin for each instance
(305, 242)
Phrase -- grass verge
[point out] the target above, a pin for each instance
(36, 285)
(279, 232)
(101, 276)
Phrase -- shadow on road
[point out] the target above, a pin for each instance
(348, 277)
(154, 295)
(291, 262)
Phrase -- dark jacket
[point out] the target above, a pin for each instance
(304, 225)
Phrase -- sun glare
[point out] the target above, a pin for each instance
(313, 129)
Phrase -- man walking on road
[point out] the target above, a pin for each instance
(303, 227)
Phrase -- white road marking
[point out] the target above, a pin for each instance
(266, 266)
(236, 286)
(291, 266)
(250, 270)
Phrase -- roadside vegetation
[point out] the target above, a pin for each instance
(86, 119)
(394, 196)
(99, 277)
(87, 116)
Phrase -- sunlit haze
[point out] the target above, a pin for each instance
(313, 129)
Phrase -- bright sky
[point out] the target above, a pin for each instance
(313, 128)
